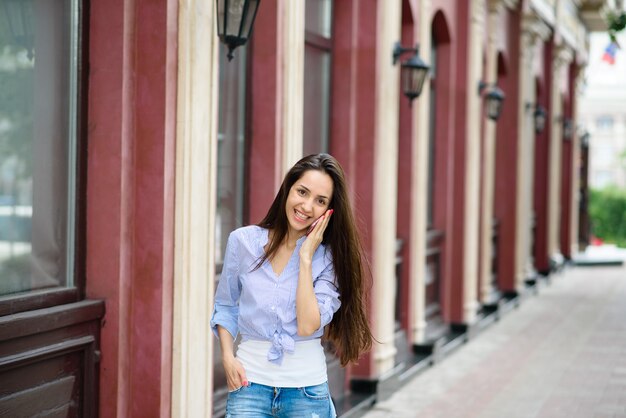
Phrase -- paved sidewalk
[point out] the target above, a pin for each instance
(562, 353)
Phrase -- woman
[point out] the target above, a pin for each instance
(284, 281)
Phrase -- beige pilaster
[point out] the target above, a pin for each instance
(575, 195)
(562, 56)
(385, 184)
(472, 167)
(534, 31)
(488, 160)
(291, 79)
(196, 149)
(419, 184)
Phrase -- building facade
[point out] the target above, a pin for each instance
(602, 114)
(131, 147)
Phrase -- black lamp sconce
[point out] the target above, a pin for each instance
(235, 19)
(568, 129)
(494, 97)
(412, 71)
(584, 139)
(539, 116)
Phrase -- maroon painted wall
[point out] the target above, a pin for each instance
(130, 199)
(542, 155)
(507, 157)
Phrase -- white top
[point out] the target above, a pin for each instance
(306, 366)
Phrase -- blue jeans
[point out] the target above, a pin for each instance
(260, 401)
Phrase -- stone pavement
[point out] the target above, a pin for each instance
(562, 353)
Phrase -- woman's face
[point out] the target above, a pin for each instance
(308, 199)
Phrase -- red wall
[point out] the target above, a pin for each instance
(507, 156)
(130, 199)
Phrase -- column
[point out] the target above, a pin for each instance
(385, 184)
(576, 156)
(419, 183)
(562, 56)
(488, 160)
(534, 31)
(194, 265)
(291, 79)
(472, 161)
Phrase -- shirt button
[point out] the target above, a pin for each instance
(273, 308)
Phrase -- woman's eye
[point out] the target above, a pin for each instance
(322, 202)
(301, 192)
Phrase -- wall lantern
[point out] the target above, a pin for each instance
(584, 139)
(19, 16)
(494, 97)
(540, 115)
(412, 71)
(568, 129)
(235, 19)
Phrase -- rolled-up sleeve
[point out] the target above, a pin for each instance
(327, 295)
(226, 308)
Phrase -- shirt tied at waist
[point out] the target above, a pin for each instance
(280, 343)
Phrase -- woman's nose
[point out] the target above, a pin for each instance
(307, 205)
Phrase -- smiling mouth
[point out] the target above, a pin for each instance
(300, 216)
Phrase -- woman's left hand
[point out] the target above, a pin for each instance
(315, 237)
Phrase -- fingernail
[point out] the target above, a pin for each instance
(245, 383)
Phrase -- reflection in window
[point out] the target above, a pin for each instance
(231, 147)
(604, 123)
(318, 44)
(38, 54)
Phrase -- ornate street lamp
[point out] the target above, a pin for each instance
(540, 116)
(494, 97)
(412, 71)
(235, 19)
(19, 16)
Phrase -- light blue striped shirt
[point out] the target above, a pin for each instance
(261, 305)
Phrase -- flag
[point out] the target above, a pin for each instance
(609, 53)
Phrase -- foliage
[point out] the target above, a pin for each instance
(617, 23)
(607, 210)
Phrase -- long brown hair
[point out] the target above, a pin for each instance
(349, 330)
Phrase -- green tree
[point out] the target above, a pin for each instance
(607, 210)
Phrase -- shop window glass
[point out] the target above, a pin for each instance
(317, 62)
(318, 14)
(231, 165)
(231, 151)
(604, 123)
(38, 119)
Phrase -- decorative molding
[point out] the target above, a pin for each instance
(563, 55)
(536, 26)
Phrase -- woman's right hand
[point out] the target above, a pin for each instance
(235, 374)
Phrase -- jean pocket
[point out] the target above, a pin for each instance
(232, 392)
(318, 392)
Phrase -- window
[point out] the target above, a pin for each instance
(317, 51)
(604, 123)
(231, 151)
(38, 144)
(231, 187)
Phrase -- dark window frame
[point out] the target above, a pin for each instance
(44, 298)
(322, 43)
